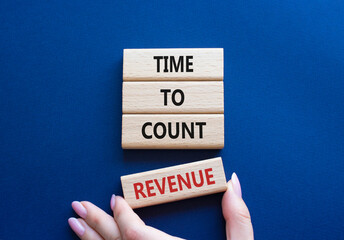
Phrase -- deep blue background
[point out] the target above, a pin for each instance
(60, 112)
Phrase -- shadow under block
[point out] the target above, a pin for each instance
(185, 64)
(174, 183)
(173, 97)
(172, 131)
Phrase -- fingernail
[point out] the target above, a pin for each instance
(236, 185)
(76, 226)
(79, 209)
(113, 201)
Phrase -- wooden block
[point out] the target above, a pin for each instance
(174, 183)
(172, 131)
(184, 64)
(173, 97)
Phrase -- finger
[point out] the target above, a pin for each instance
(97, 219)
(235, 212)
(131, 226)
(155, 234)
(81, 228)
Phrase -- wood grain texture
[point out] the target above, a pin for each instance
(140, 65)
(172, 131)
(166, 185)
(173, 97)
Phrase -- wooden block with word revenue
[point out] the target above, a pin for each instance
(172, 131)
(173, 97)
(184, 64)
(174, 183)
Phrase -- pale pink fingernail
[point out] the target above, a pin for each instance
(76, 226)
(79, 209)
(113, 201)
(236, 185)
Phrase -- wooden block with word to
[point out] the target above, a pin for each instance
(174, 183)
(184, 64)
(172, 131)
(173, 97)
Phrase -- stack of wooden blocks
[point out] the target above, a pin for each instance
(173, 99)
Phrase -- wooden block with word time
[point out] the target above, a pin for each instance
(185, 64)
(174, 183)
(173, 97)
(172, 131)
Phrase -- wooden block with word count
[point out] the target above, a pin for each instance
(174, 183)
(173, 97)
(172, 131)
(185, 64)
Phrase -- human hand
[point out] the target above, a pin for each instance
(95, 224)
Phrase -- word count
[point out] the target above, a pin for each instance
(173, 130)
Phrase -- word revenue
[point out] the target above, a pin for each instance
(173, 183)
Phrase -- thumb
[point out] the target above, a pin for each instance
(235, 212)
